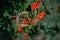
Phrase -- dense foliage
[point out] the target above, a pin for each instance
(29, 18)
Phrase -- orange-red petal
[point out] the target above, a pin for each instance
(20, 29)
(35, 20)
(43, 12)
(26, 35)
(24, 21)
(40, 16)
(35, 5)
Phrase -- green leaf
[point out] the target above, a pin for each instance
(29, 38)
(25, 15)
(14, 25)
(15, 11)
(31, 25)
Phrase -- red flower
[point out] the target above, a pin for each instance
(35, 20)
(58, 7)
(20, 29)
(35, 5)
(14, 16)
(41, 15)
(26, 35)
(43, 12)
(24, 21)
